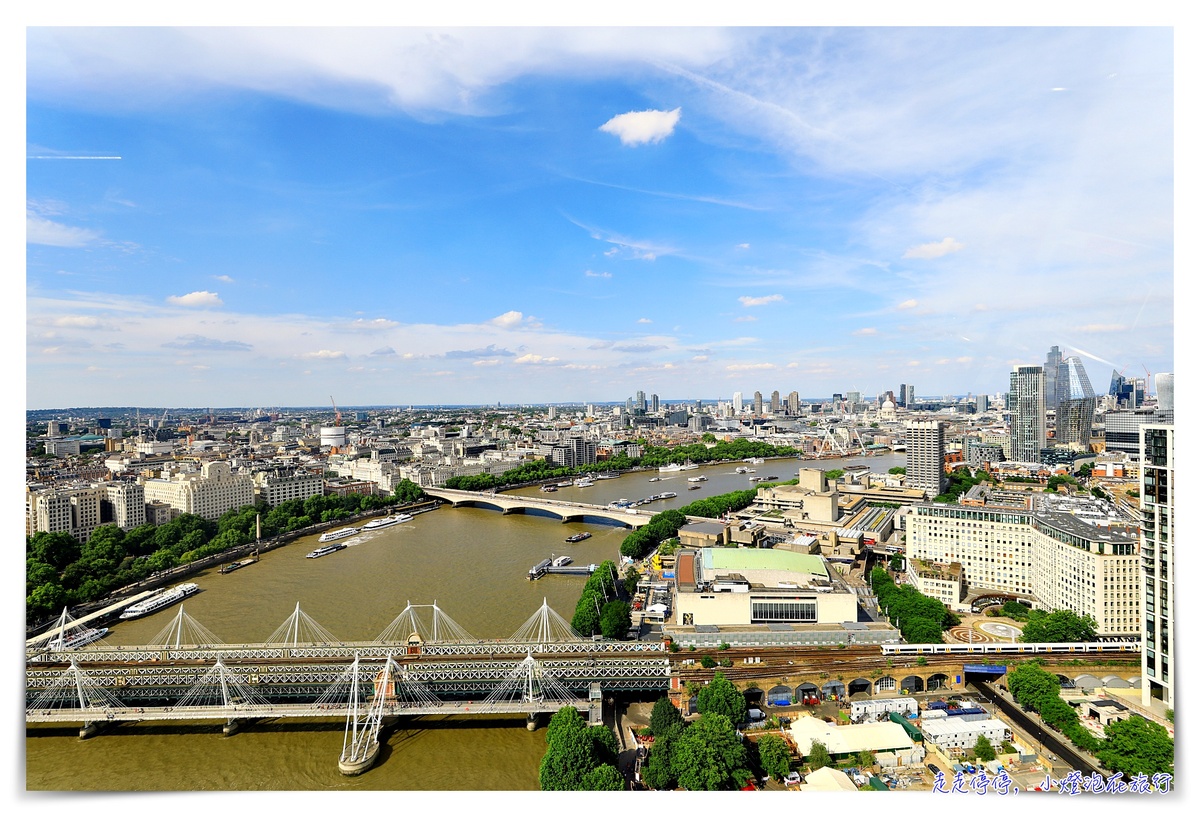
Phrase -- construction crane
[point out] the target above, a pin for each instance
(337, 415)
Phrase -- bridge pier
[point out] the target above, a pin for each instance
(89, 729)
(531, 722)
(355, 767)
(231, 727)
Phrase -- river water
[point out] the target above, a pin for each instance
(472, 562)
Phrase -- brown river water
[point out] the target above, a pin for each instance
(472, 562)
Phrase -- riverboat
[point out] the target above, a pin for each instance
(387, 521)
(695, 487)
(607, 475)
(655, 479)
(698, 479)
(77, 639)
(583, 483)
(160, 600)
(549, 489)
(673, 467)
(579, 537)
(326, 550)
(333, 536)
(539, 570)
(561, 561)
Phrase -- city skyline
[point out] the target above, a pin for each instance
(466, 216)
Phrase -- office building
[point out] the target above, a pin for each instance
(641, 401)
(654, 404)
(1164, 388)
(1055, 370)
(910, 396)
(1027, 412)
(758, 403)
(903, 394)
(1076, 406)
(1158, 562)
(775, 404)
(793, 403)
(981, 403)
(1121, 428)
(926, 448)
(737, 402)
(210, 493)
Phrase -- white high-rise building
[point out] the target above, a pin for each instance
(1158, 563)
(1164, 387)
(737, 402)
(926, 450)
(1027, 413)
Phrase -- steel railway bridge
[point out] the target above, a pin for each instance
(414, 667)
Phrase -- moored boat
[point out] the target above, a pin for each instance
(561, 561)
(579, 537)
(77, 639)
(232, 566)
(387, 521)
(160, 600)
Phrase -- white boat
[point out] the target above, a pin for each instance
(741, 469)
(698, 479)
(160, 600)
(655, 479)
(325, 551)
(75, 640)
(584, 483)
(387, 521)
(668, 495)
(754, 460)
(333, 536)
(561, 561)
(607, 475)
(673, 467)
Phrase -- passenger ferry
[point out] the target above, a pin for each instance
(387, 521)
(673, 467)
(77, 639)
(561, 561)
(333, 536)
(607, 475)
(164, 599)
(325, 551)
(584, 483)
(698, 479)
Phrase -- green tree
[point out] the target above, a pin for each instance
(722, 697)
(709, 755)
(984, 750)
(899, 469)
(774, 756)
(55, 549)
(632, 577)
(818, 756)
(664, 716)
(657, 772)
(865, 758)
(604, 777)
(1137, 746)
(567, 762)
(1058, 627)
(614, 618)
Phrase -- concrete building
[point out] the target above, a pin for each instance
(282, 484)
(954, 736)
(1158, 563)
(1048, 556)
(73, 510)
(926, 450)
(1164, 388)
(844, 741)
(209, 493)
(1121, 428)
(735, 586)
(123, 504)
(1027, 412)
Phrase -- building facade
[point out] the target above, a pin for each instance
(926, 450)
(1027, 412)
(1158, 562)
(1076, 408)
(208, 494)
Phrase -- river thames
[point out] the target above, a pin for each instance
(472, 562)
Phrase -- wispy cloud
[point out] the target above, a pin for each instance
(934, 249)
(591, 274)
(867, 330)
(763, 300)
(642, 127)
(322, 354)
(203, 344)
(40, 230)
(201, 298)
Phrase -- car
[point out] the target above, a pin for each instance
(793, 779)
(934, 770)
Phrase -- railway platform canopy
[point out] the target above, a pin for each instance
(849, 633)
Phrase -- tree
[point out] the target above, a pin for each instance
(709, 755)
(722, 697)
(1058, 627)
(614, 618)
(774, 756)
(818, 756)
(656, 772)
(664, 716)
(55, 549)
(1137, 746)
(865, 758)
(984, 750)
(604, 778)
(899, 469)
(567, 762)
(632, 577)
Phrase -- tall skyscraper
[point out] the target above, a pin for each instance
(758, 403)
(1158, 563)
(903, 394)
(775, 404)
(1164, 387)
(737, 402)
(1055, 370)
(654, 403)
(910, 396)
(1077, 406)
(641, 401)
(926, 451)
(793, 403)
(1027, 412)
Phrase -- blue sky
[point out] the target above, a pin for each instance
(395, 216)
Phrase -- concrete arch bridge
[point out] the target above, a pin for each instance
(565, 511)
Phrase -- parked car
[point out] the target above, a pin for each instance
(793, 779)
(934, 770)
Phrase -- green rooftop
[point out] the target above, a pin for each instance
(732, 559)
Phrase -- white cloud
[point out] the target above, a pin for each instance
(225, 279)
(866, 330)
(591, 274)
(644, 320)
(1092, 328)
(746, 319)
(375, 325)
(935, 249)
(202, 298)
(747, 367)
(39, 230)
(964, 359)
(532, 358)
(747, 300)
(322, 354)
(508, 320)
(743, 246)
(77, 321)
(642, 127)
(486, 363)
(909, 304)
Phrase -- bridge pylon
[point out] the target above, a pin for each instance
(360, 746)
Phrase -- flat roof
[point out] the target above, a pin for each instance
(741, 559)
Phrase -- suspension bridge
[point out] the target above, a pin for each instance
(423, 663)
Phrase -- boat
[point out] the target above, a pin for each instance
(561, 561)
(754, 460)
(77, 639)
(579, 537)
(673, 467)
(584, 483)
(655, 479)
(387, 521)
(549, 489)
(698, 479)
(325, 551)
(607, 475)
(160, 600)
(668, 495)
(333, 536)
(695, 487)
(232, 566)
(565, 484)
(741, 469)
